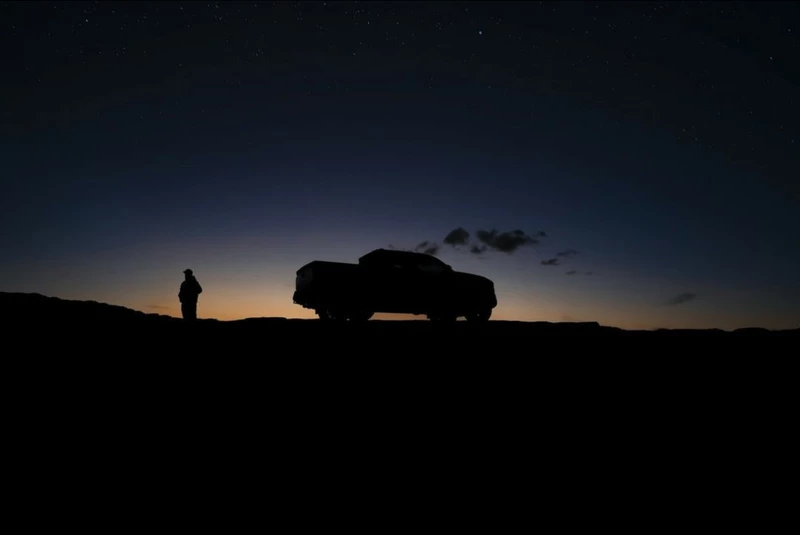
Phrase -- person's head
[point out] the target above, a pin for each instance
(187, 273)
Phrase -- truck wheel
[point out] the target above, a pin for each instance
(480, 316)
(360, 316)
(338, 315)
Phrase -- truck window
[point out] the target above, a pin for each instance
(430, 268)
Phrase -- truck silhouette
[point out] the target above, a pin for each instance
(392, 281)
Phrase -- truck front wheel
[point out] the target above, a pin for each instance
(480, 315)
(360, 316)
(338, 315)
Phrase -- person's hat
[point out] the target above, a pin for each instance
(189, 271)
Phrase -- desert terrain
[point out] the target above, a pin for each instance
(89, 319)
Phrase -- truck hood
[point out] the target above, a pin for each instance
(478, 281)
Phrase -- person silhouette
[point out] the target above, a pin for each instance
(188, 294)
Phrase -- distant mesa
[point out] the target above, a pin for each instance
(38, 308)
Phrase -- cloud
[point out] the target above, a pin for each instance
(681, 299)
(569, 253)
(458, 236)
(484, 241)
(573, 272)
(505, 242)
(588, 273)
(551, 262)
(427, 247)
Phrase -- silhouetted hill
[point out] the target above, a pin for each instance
(35, 310)
(87, 369)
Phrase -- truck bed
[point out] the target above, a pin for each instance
(319, 278)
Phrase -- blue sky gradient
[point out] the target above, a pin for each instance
(657, 141)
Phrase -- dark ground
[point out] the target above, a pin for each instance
(115, 395)
(269, 355)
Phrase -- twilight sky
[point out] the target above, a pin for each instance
(632, 163)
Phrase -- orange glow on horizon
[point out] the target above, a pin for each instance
(257, 306)
(236, 295)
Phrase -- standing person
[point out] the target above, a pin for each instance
(190, 290)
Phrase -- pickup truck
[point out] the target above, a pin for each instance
(391, 281)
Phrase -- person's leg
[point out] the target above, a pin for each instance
(189, 311)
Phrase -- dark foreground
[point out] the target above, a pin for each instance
(565, 408)
(89, 321)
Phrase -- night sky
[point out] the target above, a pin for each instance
(631, 163)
